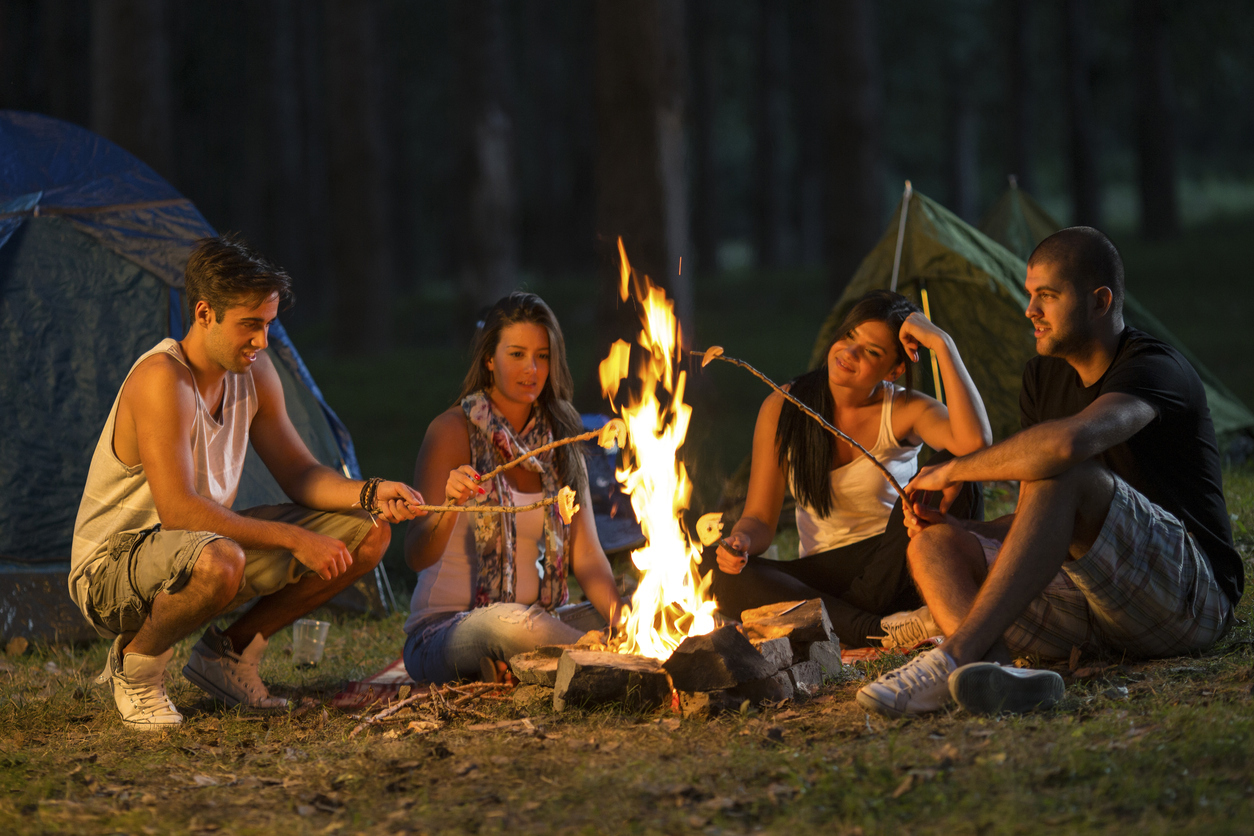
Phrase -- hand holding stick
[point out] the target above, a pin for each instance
(565, 502)
(613, 433)
(715, 352)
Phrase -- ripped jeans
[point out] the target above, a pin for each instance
(451, 648)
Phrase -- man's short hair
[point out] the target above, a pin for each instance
(1085, 257)
(226, 272)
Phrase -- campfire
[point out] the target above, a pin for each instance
(672, 601)
(669, 648)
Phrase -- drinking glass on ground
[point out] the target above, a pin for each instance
(309, 639)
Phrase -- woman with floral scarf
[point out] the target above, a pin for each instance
(494, 585)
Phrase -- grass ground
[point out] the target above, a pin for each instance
(1158, 747)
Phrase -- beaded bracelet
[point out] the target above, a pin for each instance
(369, 491)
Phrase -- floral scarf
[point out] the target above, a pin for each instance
(492, 443)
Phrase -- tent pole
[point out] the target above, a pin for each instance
(901, 234)
(927, 311)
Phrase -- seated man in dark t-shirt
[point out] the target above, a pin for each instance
(1121, 540)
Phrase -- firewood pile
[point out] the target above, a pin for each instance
(776, 653)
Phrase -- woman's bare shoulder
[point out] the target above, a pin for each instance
(449, 426)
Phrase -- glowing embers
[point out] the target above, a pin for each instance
(672, 600)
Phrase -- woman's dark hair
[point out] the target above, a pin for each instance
(559, 388)
(805, 448)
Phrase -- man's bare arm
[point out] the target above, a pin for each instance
(1047, 449)
(303, 478)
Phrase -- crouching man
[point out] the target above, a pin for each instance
(1121, 541)
(158, 551)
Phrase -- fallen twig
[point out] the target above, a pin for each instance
(438, 702)
(715, 352)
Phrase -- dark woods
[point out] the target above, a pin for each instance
(378, 148)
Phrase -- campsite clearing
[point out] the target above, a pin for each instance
(1161, 747)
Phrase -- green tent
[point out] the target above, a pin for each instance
(1018, 222)
(974, 290)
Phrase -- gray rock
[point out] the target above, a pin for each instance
(717, 660)
(827, 654)
(774, 688)
(797, 621)
(777, 652)
(589, 677)
(806, 677)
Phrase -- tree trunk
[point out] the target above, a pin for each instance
(806, 38)
(702, 26)
(1085, 189)
(132, 90)
(1156, 121)
(488, 246)
(855, 169)
(359, 178)
(964, 151)
(771, 225)
(1021, 94)
(641, 184)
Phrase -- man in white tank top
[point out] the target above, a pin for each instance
(158, 551)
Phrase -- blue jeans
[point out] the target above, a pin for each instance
(452, 649)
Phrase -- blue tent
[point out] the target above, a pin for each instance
(93, 244)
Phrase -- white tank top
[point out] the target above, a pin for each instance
(117, 498)
(862, 499)
(448, 584)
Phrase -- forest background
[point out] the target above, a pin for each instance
(409, 163)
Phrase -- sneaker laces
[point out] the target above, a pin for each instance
(146, 695)
(923, 671)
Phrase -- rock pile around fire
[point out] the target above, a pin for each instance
(775, 653)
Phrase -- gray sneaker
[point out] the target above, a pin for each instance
(138, 684)
(906, 629)
(917, 687)
(217, 669)
(990, 688)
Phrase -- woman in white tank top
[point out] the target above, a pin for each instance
(494, 585)
(849, 519)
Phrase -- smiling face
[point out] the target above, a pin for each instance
(864, 356)
(1059, 312)
(244, 330)
(520, 364)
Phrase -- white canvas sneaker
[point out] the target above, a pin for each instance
(138, 684)
(990, 688)
(232, 677)
(917, 687)
(906, 629)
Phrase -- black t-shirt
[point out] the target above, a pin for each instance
(1174, 460)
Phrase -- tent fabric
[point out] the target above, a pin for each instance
(93, 244)
(1020, 223)
(975, 293)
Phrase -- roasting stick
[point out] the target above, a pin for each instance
(715, 352)
(565, 502)
(614, 432)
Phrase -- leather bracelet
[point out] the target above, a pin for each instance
(369, 491)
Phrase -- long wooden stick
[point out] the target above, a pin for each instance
(711, 354)
(613, 432)
(496, 471)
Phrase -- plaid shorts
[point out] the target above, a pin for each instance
(1144, 589)
(139, 565)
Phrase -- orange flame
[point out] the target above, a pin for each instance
(672, 600)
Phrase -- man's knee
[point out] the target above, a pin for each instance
(1086, 480)
(371, 550)
(220, 568)
(944, 547)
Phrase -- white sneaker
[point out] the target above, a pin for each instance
(217, 669)
(906, 629)
(990, 688)
(917, 687)
(138, 684)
